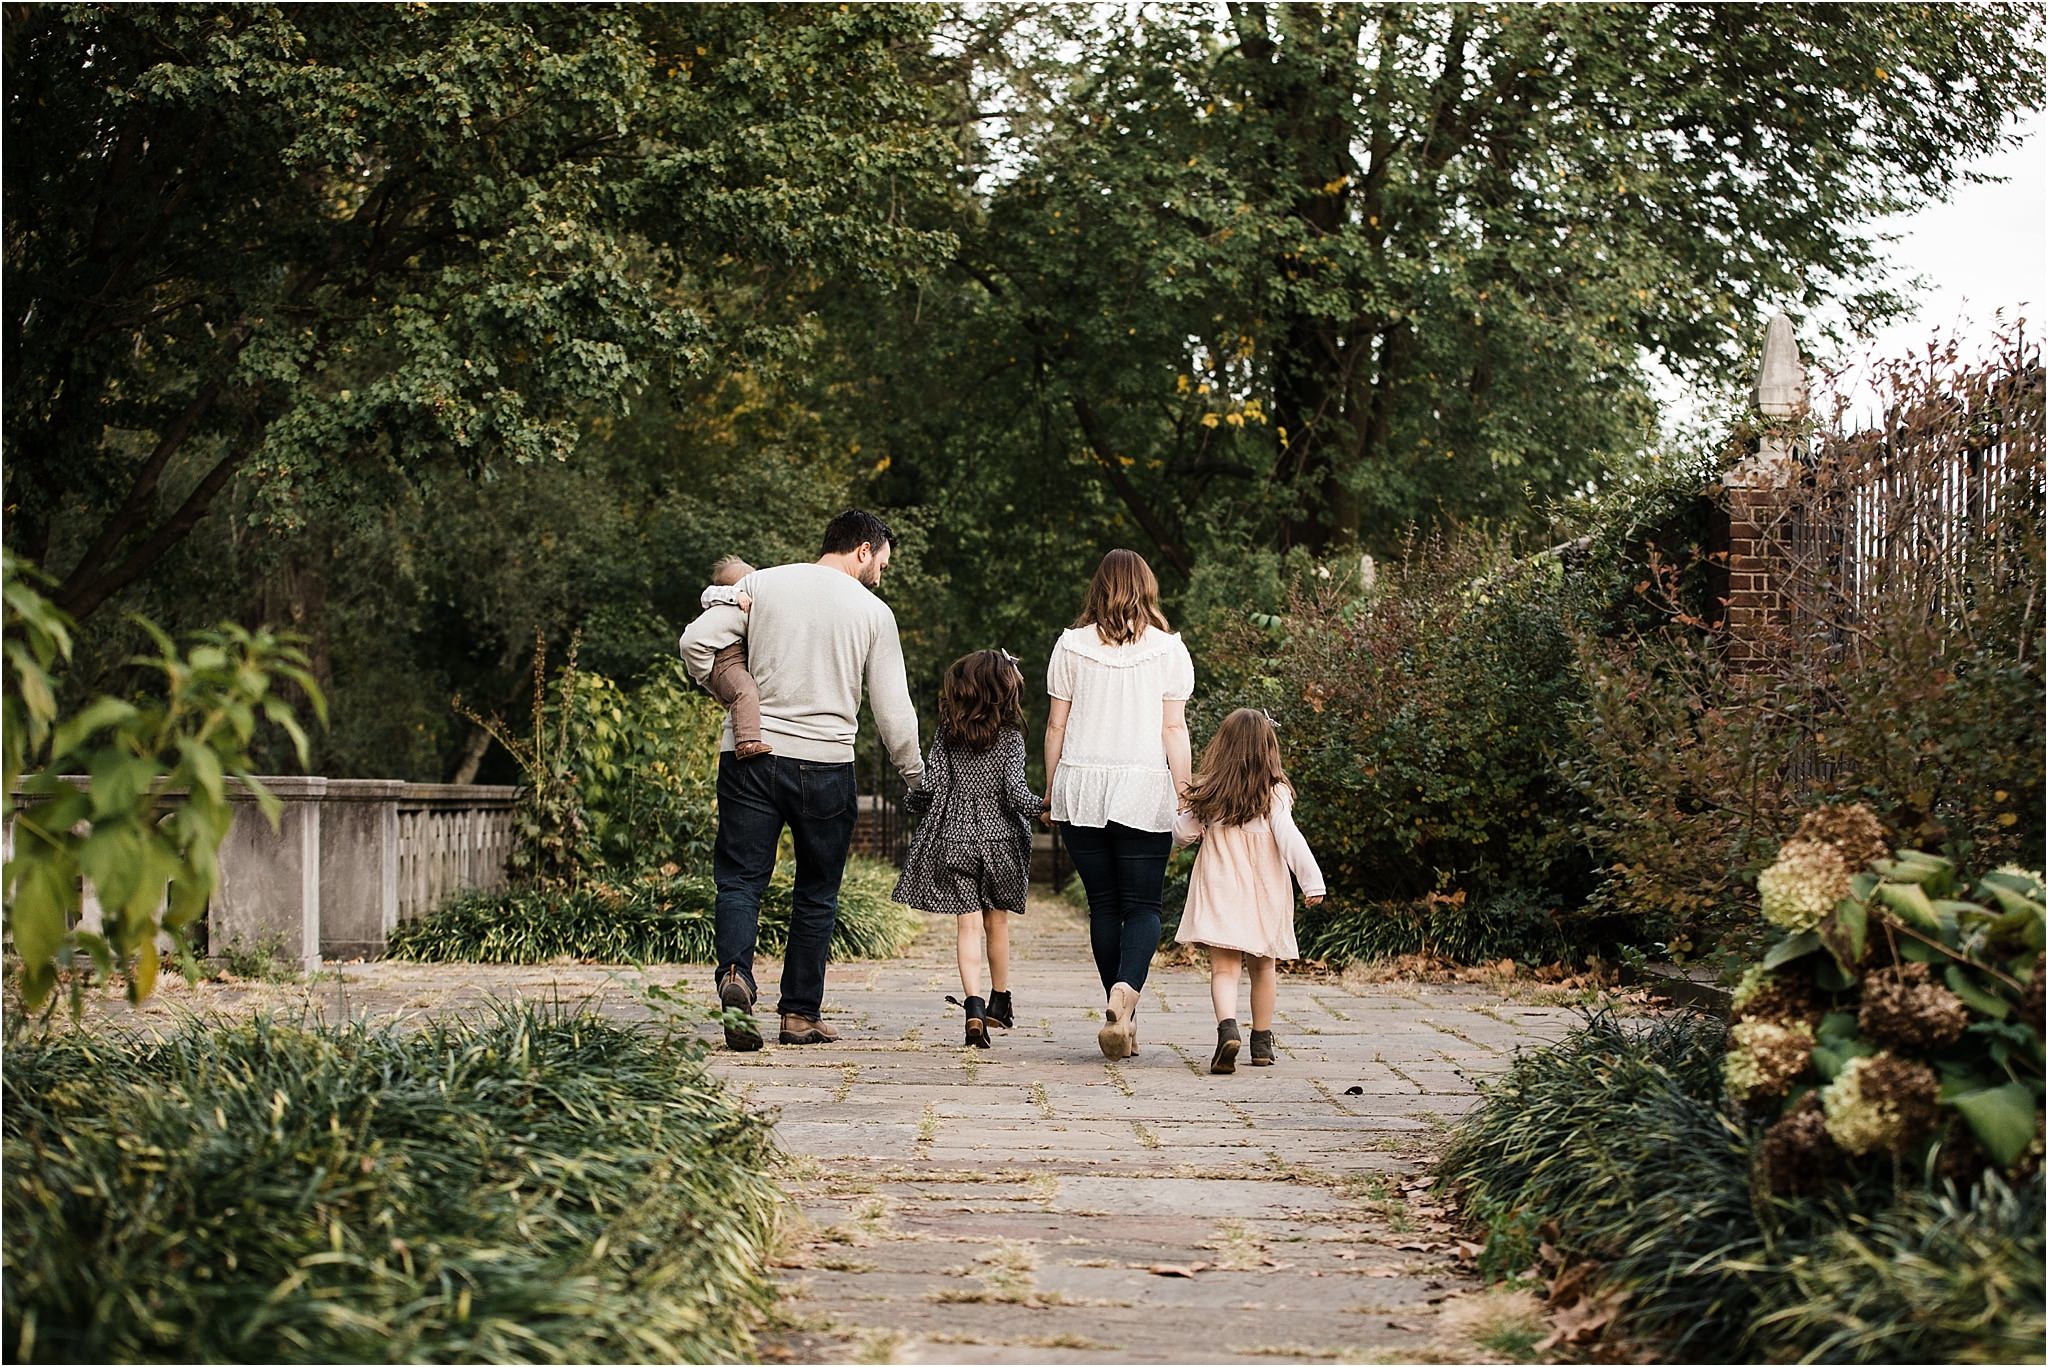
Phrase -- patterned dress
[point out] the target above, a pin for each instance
(971, 850)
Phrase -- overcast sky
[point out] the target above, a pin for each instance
(1982, 251)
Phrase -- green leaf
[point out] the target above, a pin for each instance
(96, 715)
(2004, 1119)
(1911, 905)
(1975, 997)
(1792, 947)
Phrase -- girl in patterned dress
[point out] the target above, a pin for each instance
(970, 856)
(1241, 894)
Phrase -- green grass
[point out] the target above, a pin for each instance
(540, 1187)
(654, 920)
(1940, 1277)
(1614, 1145)
(1511, 926)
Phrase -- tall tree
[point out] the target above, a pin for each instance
(266, 243)
(1323, 270)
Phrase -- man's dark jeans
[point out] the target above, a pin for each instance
(756, 799)
(1124, 871)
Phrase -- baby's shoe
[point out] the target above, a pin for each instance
(1262, 1048)
(1227, 1041)
(748, 749)
(1000, 1011)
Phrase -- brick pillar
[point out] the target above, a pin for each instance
(1755, 498)
(1755, 607)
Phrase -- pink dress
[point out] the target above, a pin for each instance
(1241, 894)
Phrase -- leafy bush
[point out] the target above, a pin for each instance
(1419, 719)
(1614, 1146)
(1902, 667)
(1895, 1021)
(1942, 1276)
(613, 781)
(155, 807)
(1514, 924)
(658, 918)
(541, 1187)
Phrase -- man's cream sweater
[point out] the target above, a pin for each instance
(815, 634)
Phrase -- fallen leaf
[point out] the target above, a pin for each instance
(1175, 1269)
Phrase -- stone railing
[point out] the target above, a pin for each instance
(348, 860)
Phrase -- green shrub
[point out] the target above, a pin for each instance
(1614, 1137)
(1615, 1146)
(1940, 1277)
(655, 918)
(541, 1187)
(1514, 924)
(1895, 1022)
(156, 806)
(1420, 720)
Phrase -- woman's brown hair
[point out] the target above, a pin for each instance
(1240, 768)
(980, 695)
(1123, 599)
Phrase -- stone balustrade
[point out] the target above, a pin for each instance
(348, 860)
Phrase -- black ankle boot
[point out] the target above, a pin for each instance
(999, 1010)
(1227, 1042)
(1262, 1048)
(977, 1022)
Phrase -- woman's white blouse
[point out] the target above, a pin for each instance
(1113, 765)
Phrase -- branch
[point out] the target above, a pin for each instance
(87, 596)
(1098, 442)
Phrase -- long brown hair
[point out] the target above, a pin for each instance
(1240, 768)
(1123, 599)
(980, 695)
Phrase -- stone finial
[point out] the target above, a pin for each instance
(1781, 381)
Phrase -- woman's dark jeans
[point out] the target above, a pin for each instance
(1124, 871)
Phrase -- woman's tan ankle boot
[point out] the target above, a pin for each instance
(1119, 1034)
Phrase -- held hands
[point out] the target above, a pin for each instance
(1315, 900)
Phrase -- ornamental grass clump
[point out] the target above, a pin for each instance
(539, 1187)
(658, 918)
(1613, 1142)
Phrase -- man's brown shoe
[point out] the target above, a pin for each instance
(735, 995)
(805, 1030)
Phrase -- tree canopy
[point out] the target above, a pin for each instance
(415, 328)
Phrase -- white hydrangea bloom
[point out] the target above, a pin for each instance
(1802, 887)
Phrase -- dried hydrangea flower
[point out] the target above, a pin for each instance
(1802, 887)
(1797, 1156)
(1762, 995)
(1880, 1104)
(1905, 1007)
(1851, 828)
(1765, 1057)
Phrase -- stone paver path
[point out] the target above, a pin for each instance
(1034, 1203)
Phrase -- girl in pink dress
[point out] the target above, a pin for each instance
(1241, 895)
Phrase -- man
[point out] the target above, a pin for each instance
(814, 633)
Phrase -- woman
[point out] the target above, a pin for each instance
(1116, 764)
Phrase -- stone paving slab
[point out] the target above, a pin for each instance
(1010, 1205)
(1035, 1203)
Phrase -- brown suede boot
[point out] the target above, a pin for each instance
(1227, 1042)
